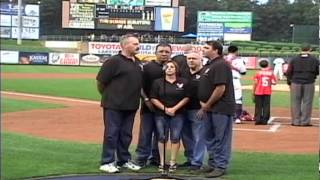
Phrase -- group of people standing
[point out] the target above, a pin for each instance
(182, 98)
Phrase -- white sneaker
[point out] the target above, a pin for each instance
(132, 166)
(237, 121)
(109, 168)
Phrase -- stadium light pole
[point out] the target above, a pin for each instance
(19, 22)
(292, 36)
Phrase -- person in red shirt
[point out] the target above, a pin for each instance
(263, 80)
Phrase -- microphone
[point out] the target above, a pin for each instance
(164, 67)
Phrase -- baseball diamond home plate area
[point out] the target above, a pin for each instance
(81, 120)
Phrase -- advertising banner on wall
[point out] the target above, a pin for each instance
(12, 9)
(5, 20)
(145, 48)
(33, 58)
(93, 59)
(64, 58)
(251, 62)
(10, 57)
(27, 21)
(30, 20)
(5, 32)
(27, 33)
(234, 23)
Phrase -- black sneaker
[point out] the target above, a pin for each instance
(217, 172)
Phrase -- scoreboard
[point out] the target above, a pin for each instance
(140, 15)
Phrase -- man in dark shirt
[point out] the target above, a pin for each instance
(216, 97)
(119, 104)
(148, 143)
(193, 126)
(301, 75)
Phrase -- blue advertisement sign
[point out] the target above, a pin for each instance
(26, 10)
(167, 19)
(33, 58)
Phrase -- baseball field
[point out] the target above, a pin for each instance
(51, 124)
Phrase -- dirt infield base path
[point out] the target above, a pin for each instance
(81, 121)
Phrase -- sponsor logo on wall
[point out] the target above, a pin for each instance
(10, 57)
(145, 48)
(64, 58)
(93, 59)
(33, 58)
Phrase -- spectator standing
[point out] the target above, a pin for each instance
(301, 74)
(196, 125)
(119, 104)
(169, 95)
(216, 95)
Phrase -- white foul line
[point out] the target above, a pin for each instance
(272, 129)
(50, 97)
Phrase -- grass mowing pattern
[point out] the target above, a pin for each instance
(14, 105)
(26, 156)
(86, 89)
(48, 69)
(74, 88)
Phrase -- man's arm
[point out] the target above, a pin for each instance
(100, 87)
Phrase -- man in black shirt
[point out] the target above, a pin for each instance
(192, 126)
(119, 104)
(216, 97)
(301, 75)
(148, 143)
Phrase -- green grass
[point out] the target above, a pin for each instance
(48, 69)
(278, 99)
(14, 105)
(27, 45)
(86, 89)
(26, 156)
(75, 88)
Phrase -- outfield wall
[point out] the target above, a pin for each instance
(95, 53)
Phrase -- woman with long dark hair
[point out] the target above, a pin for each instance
(169, 95)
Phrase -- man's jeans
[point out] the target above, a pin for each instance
(198, 136)
(117, 135)
(148, 142)
(218, 129)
